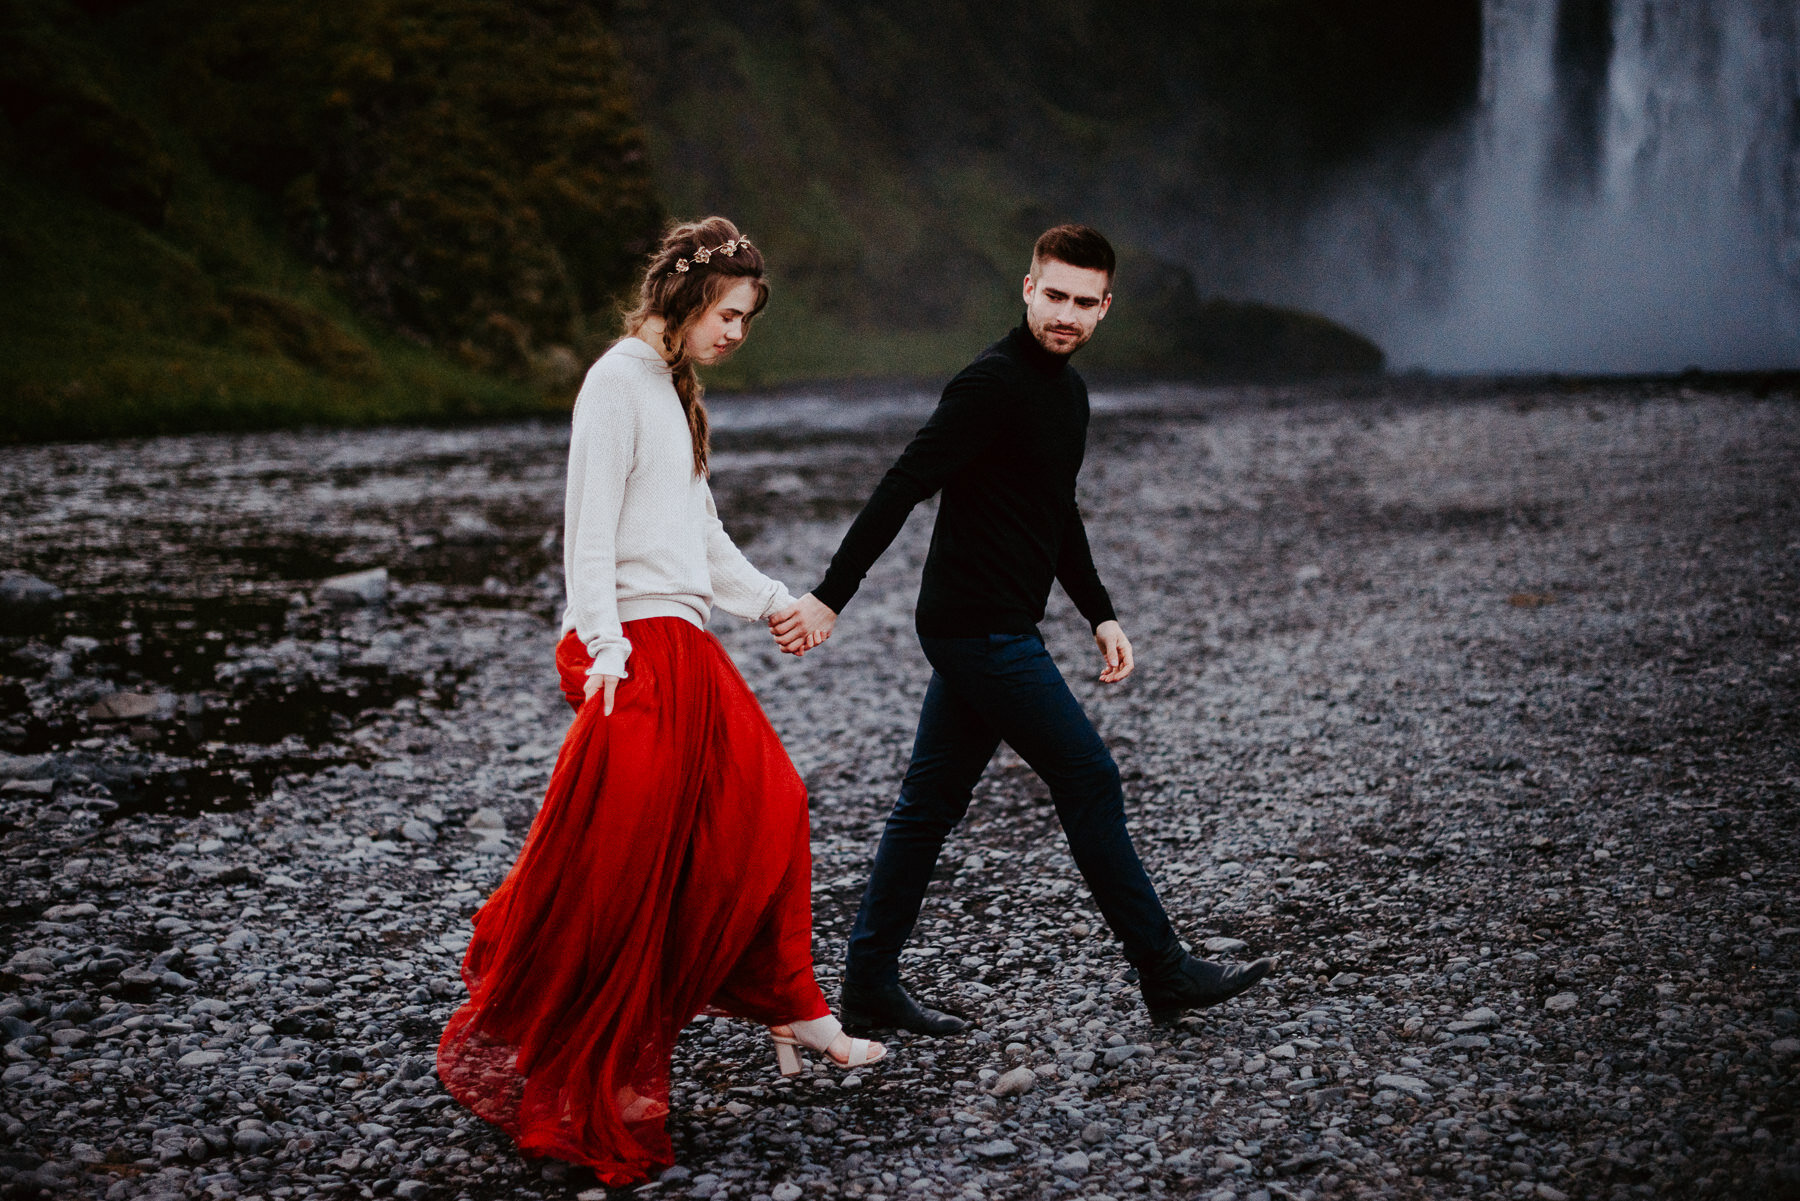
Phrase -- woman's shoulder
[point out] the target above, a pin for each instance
(628, 359)
(621, 378)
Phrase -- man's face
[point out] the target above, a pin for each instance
(1063, 304)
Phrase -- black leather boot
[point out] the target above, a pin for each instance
(866, 1009)
(1192, 983)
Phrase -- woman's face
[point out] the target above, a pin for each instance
(721, 328)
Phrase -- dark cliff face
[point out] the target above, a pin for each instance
(899, 159)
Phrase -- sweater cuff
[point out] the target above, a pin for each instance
(611, 662)
(782, 601)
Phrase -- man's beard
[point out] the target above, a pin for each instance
(1038, 333)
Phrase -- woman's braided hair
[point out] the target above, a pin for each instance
(693, 268)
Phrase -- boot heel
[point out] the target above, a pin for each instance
(787, 1055)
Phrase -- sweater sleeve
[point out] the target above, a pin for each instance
(1075, 571)
(966, 420)
(602, 450)
(738, 588)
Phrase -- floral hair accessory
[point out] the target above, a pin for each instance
(704, 254)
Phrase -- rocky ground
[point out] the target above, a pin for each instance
(1479, 710)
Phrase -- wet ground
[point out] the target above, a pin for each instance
(1476, 704)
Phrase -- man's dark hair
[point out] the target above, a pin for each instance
(1078, 246)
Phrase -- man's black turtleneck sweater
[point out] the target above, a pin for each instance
(1004, 446)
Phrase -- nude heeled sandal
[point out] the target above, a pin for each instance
(818, 1035)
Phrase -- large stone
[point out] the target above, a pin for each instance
(25, 767)
(1562, 1002)
(1074, 1165)
(1015, 1083)
(471, 529)
(1225, 946)
(31, 959)
(356, 588)
(1117, 1055)
(996, 1149)
(1475, 1019)
(200, 1059)
(22, 593)
(124, 706)
(1412, 1086)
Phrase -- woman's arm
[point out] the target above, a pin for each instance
(602, 449)
(738, 588)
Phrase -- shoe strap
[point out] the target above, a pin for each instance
(817, 1033)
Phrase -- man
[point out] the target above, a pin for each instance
(1004, 446)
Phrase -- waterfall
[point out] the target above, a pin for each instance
(1627, 199)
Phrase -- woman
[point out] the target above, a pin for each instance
(669, 870)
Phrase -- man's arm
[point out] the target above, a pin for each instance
(965, 421)
(1075, 571)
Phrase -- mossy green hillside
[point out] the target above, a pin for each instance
(188, 243)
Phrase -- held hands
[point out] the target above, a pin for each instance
(606, 686)
(1117, 648)
(803, 627)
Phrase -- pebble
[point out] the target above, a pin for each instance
(1304, 793)
(1562, 1002)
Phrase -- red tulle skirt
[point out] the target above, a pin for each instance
(668, 873)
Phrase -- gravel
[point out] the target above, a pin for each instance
(1478, 711)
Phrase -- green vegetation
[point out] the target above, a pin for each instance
(289, 213)
(244, 213)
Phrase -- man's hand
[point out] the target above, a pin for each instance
(1117, 649)
(605, 685)
(801, 628)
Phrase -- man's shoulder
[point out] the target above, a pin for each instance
(997, 364)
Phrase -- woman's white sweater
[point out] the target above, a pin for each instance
(641, 537)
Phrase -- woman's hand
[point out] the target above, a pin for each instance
(605, 685)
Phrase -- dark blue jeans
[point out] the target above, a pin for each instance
(982, 691)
